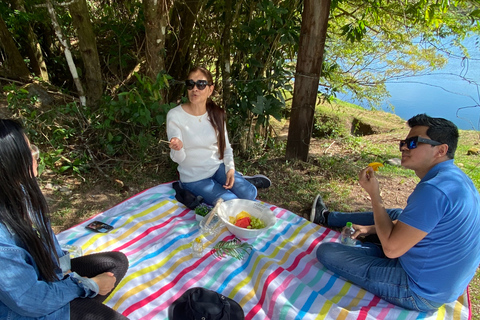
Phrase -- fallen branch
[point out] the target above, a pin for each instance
(325, 152)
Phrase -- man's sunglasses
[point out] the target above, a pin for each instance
(413, 142)
(201, 84)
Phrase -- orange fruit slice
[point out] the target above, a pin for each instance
(375, 165)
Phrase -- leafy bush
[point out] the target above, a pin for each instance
(73, 137)
(325, 126)
(133, 123)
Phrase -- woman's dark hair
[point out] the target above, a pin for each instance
(23, 209)
(215, 113)
(439, 129)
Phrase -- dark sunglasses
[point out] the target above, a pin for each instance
(201, 84)
(413, 142)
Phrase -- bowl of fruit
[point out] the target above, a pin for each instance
(245, 218)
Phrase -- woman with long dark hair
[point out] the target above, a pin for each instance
(37, 279)
(199, 144)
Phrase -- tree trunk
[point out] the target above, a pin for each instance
(309, 67)
(88, 49)
(35, 53)
(13, 67)
(68, 54)
(184, 16)
(155, 29)
(225, 49)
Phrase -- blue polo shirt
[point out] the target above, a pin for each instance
(446, 205)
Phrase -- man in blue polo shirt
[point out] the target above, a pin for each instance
(430, 250)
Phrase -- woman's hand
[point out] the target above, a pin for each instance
(105, 282)
(230, 179)
(362, 231)
(176, 144)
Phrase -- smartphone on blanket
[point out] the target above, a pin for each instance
(99, 226)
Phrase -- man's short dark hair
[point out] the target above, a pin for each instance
(439, 129)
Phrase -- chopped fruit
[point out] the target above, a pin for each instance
(243, 214)
(243, 223)
(375, 165)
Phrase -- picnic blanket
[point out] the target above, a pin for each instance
(279, 279)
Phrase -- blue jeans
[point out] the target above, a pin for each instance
(368, 267)
(211, 189)
(340, 219)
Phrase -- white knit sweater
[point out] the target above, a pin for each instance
(199, 157)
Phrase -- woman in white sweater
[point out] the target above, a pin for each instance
(199, 144)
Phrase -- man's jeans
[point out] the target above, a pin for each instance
(368, 267)
(340, 219)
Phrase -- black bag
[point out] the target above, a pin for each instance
(200, 303)
(190, 200)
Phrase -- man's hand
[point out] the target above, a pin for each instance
(361, 231)
(230, 179)
(176, 144)
(396, 237)
(369, 182)
(105, 282)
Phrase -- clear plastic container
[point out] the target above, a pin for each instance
(346, 236)
(197, 247)
(214, 226)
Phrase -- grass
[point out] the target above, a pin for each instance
(331, 170)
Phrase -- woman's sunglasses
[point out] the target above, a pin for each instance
(201, 84)
(413, 142)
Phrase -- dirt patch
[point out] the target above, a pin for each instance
(73, 200)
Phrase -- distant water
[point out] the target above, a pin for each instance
(452, 93)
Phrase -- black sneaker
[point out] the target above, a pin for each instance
(259, 181)
(317, 215)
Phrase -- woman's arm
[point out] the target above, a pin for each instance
(22, 292)
(228, 155)
(174, 133)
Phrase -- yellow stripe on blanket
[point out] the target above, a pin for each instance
(131, 230)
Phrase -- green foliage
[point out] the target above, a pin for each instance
(141, 103)
(354, 32)
(62, 161)
(17, 97)
(72, 138)
(265, 39)
(16, 20)
(57, 137)
(328, 126)
(122, 28)
(202, 209)
(133, 123)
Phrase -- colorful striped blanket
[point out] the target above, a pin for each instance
(279, 279)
